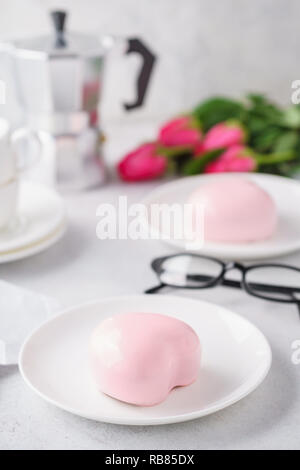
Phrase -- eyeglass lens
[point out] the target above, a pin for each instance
(285, 280)
(189, 271)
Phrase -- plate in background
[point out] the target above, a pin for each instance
(284, 191)
(236, 359)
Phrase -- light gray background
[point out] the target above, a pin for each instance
(205, 46)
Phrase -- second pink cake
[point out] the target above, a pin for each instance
(235, 210)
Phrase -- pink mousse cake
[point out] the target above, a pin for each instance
(139, 358)
(236, 210)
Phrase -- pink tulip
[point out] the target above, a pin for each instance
(221, 135)
(142, 164)
(236, 158)
(181, 131)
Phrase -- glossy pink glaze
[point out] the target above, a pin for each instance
(235, 210)
(139, 358)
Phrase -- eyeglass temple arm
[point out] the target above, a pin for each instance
(298, 306)
(297, 302)
(154, 289)
(256, 285)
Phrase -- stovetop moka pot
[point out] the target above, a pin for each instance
(58, 81)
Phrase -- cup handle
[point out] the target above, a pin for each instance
(27, 146)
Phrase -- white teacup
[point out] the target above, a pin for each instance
(18, 150)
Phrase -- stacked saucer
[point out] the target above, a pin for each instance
(40, 222)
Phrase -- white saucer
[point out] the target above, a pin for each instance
(236, 359)
(284, 191)
(41, 222)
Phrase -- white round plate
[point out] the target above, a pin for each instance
(41, 223)
(284, 191)
(236, 359)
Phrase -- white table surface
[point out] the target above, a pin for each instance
(82, 268)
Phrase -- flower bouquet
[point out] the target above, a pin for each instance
(221, 135)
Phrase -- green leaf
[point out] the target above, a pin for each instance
(264, 108)
(274, 158)
(173, 152)
(215, 110)
(291, 117)
(256, 99)
(266, 140)
(197, 165)
(255, 124)
(287, 141)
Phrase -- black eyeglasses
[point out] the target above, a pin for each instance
(275, 282)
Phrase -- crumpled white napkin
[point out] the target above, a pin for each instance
(21, 311)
